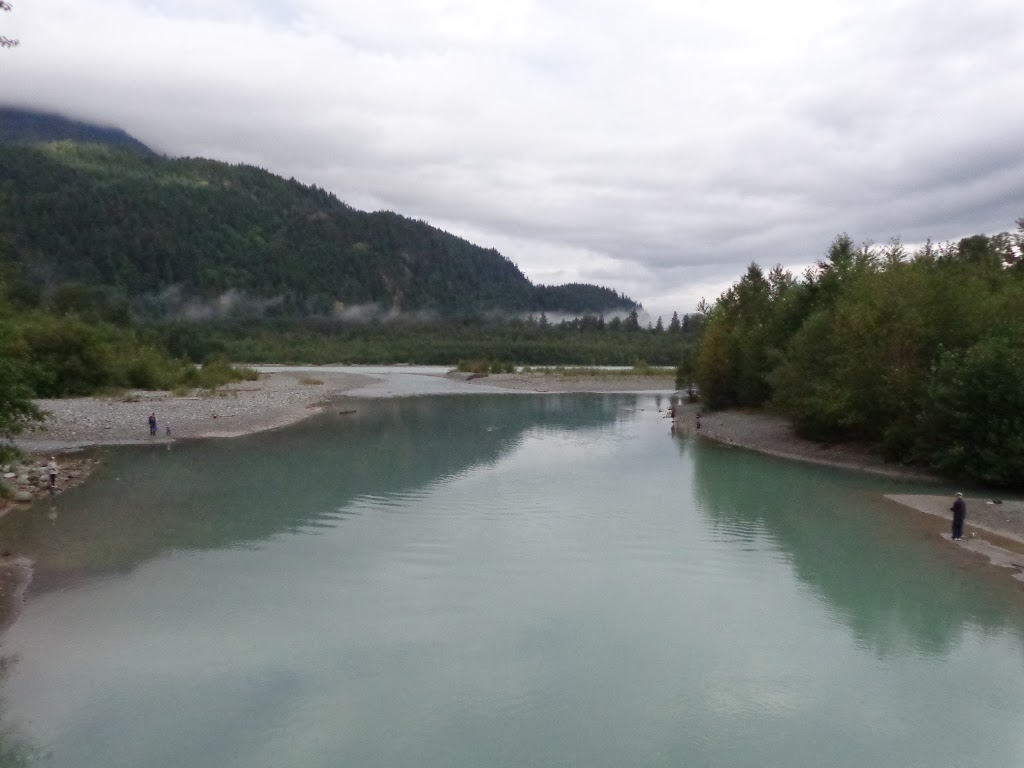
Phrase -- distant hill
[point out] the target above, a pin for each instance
(172, 235)
(30, 127)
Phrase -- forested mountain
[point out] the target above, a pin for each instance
(26, 126)
(165, 233)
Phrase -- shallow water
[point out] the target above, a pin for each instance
(500, 581)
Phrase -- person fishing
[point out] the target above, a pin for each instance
(959, 510)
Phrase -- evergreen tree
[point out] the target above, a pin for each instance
(633, 320)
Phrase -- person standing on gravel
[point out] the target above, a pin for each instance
(152, 424)
(959, 510)
(51, 470)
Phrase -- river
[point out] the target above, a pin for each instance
(499, 580)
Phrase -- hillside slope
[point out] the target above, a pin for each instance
(169, 232)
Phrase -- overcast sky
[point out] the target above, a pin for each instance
(653, 146)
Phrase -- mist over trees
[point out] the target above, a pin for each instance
(921, 354)
(80, 339)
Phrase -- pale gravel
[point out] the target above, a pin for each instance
(275, 400)
(773, 434)
(556, 382)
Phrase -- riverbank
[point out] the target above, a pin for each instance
(275, 400)
(995, 527)
(556, 382)
(774, 435)
(27, 480)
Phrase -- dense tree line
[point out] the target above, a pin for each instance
(589, 340)
(80, 339)
(921, 354)
(78, 342)
(170, 233)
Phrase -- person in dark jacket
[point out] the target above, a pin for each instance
(959, 510)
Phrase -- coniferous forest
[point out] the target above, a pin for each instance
(173, 235)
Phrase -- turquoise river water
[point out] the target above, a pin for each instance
(499, 580)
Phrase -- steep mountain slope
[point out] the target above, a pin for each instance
(166, 232)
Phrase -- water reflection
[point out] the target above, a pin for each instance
(897, 592)
(16, 750)
(492, 583)
(217, 494)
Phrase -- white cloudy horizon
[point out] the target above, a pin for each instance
(656, 148)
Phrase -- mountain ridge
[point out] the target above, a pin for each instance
(108, 214)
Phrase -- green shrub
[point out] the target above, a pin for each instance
(972, 424)
(218, 371)
(474, 366)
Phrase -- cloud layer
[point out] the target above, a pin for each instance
(655, 147)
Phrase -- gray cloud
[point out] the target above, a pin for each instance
(656, 150)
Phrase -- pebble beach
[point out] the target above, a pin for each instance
(275, 400)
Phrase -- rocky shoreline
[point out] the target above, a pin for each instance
(774, 435)
(27, 480)
(275, 400)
